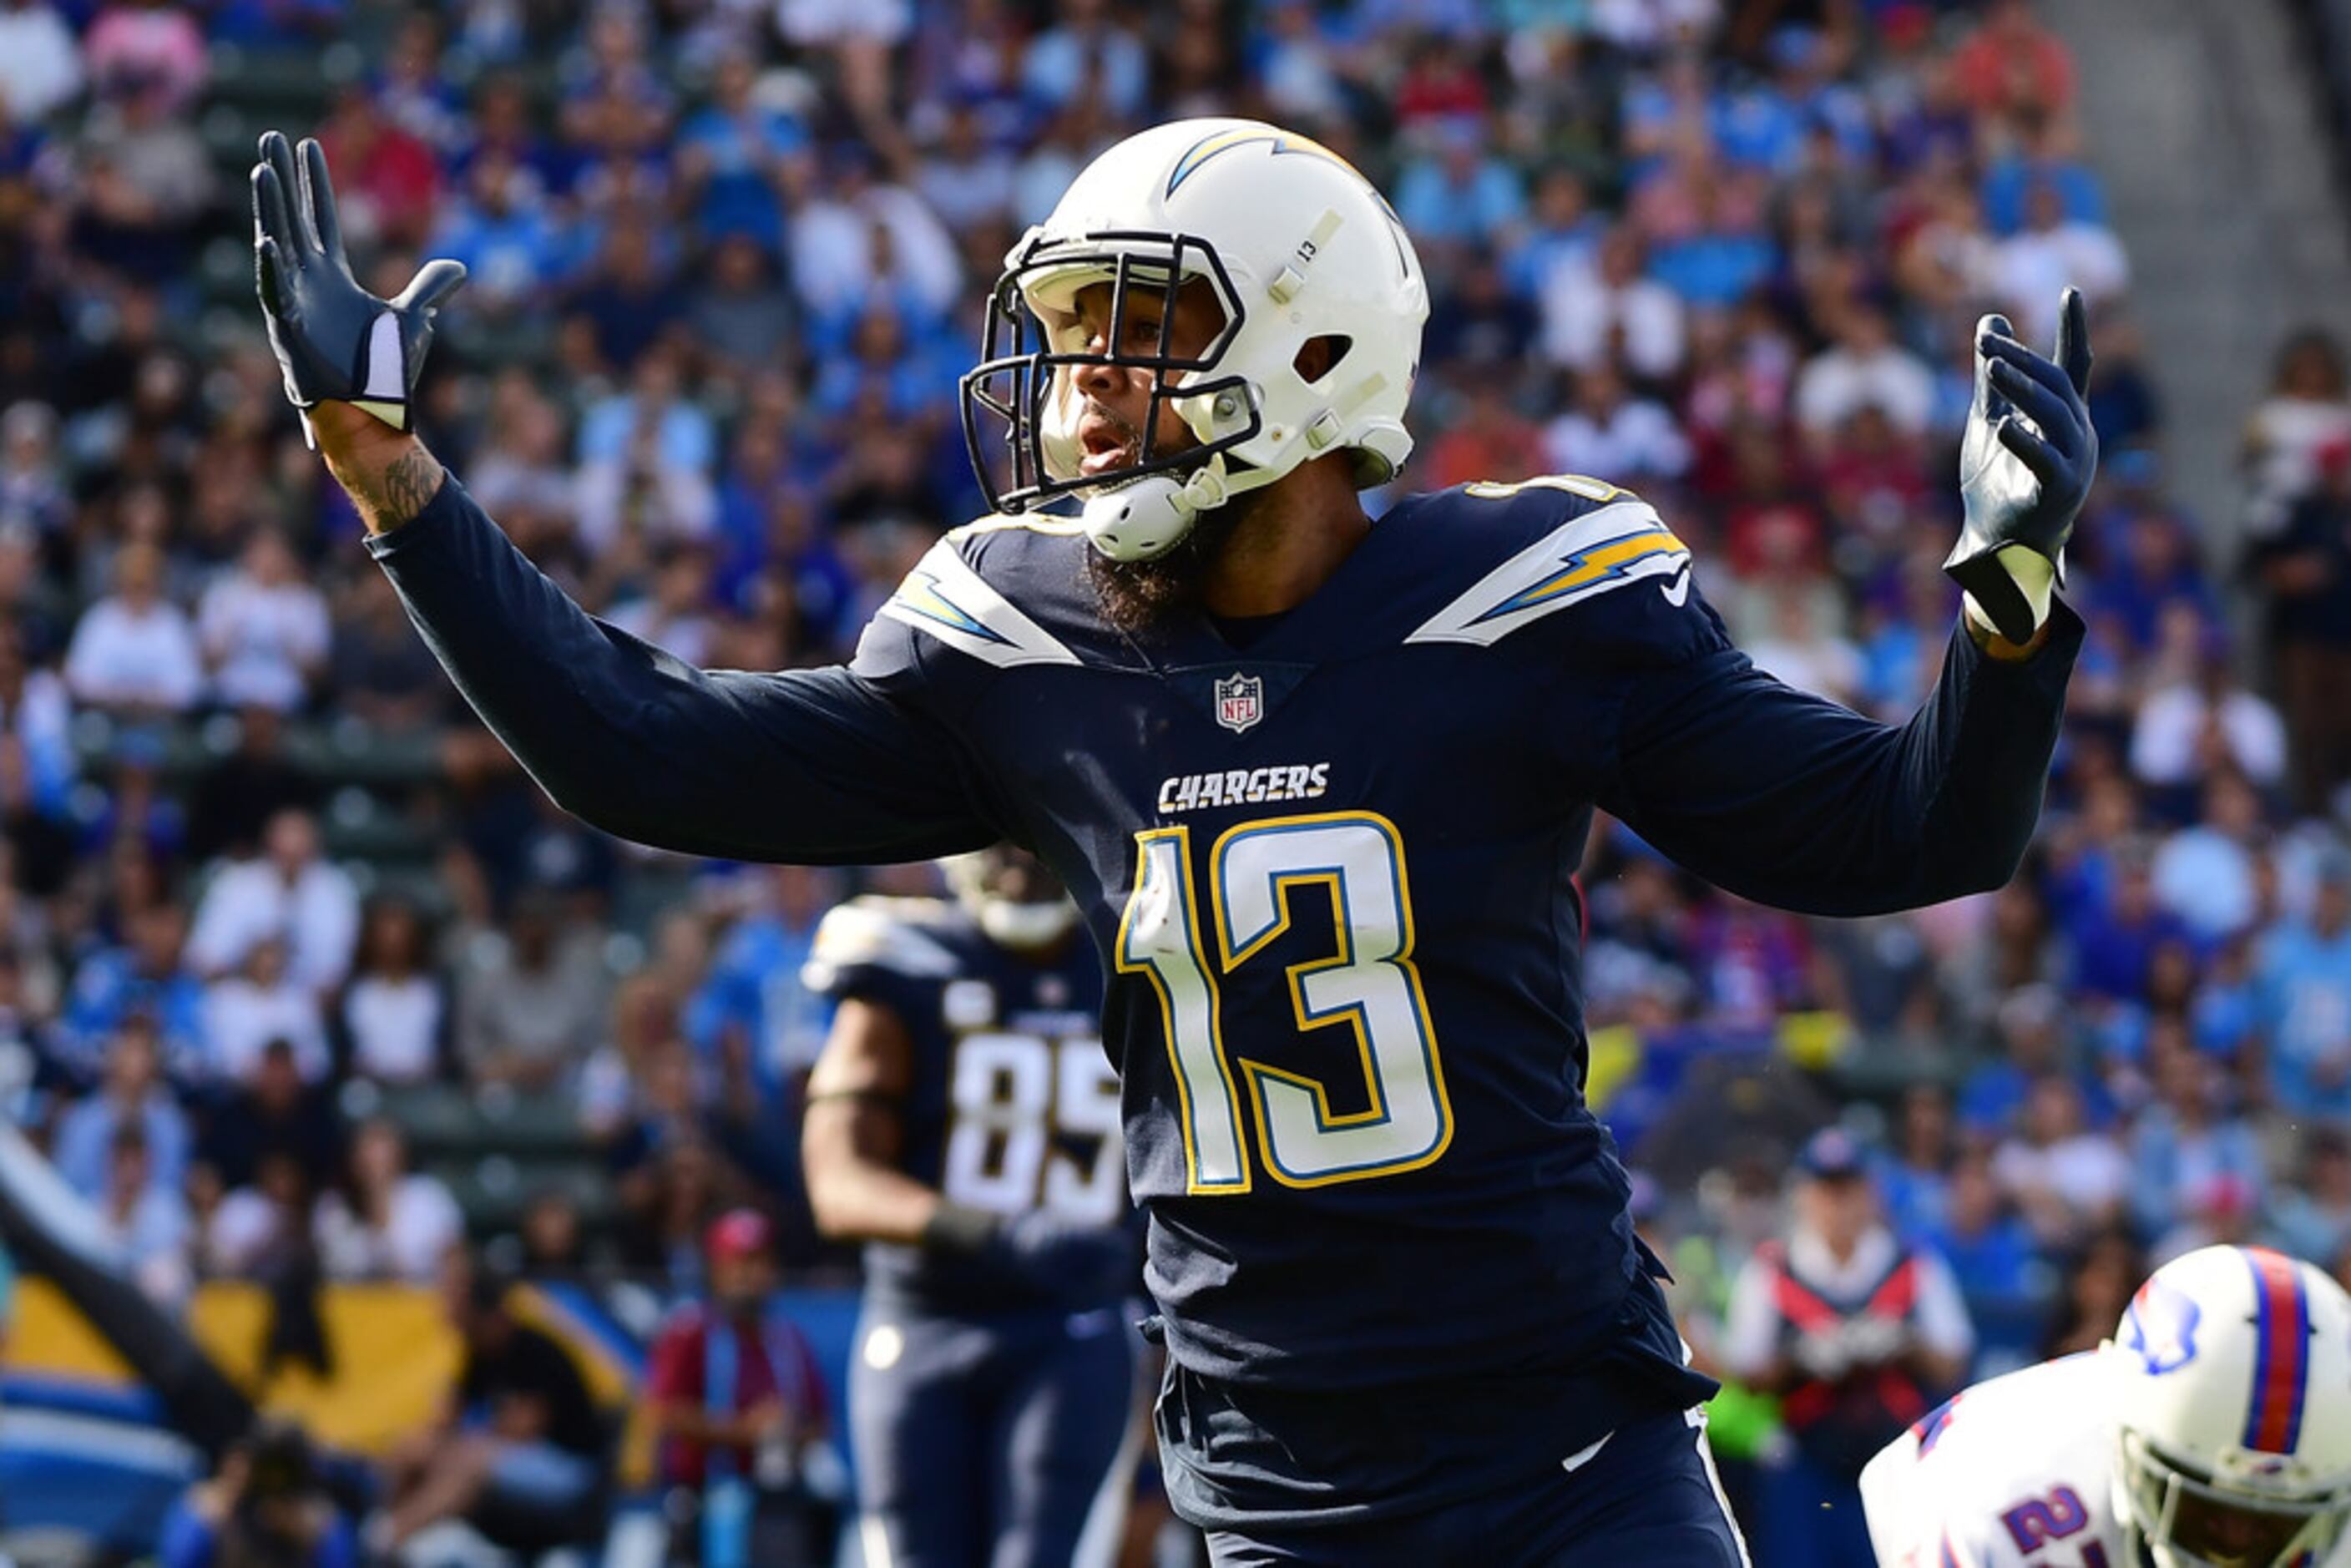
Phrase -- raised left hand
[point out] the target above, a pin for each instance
(2025, 468)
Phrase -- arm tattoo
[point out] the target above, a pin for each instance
(392, 495)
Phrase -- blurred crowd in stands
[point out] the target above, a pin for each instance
(267, 886)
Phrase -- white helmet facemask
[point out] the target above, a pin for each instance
(1271, 237)
(2184, 1520)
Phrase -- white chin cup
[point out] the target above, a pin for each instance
(1144, 519)
(1025, 927)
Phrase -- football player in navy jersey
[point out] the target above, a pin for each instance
(1317, 785)
(963, 1121)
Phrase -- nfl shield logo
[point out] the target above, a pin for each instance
(1240, 701)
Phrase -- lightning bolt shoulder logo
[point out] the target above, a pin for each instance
(1621, 543)
(945, 599)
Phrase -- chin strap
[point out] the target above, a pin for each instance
(1144, 519)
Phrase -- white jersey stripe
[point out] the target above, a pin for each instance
(945, 598)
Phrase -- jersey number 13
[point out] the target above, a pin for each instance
(1369, 986)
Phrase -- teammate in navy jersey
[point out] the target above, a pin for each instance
(963, 1121)
(1317, 786)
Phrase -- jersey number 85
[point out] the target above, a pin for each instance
(1018, 1100)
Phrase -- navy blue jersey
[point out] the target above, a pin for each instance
(1329, 874)
(1011, 1103)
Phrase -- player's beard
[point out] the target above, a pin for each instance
(1145, 599)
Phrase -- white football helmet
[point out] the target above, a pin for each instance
(2233, 1365)
(1293, 243)
(1016, 899)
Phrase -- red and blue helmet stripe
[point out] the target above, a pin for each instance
(2280, 1353)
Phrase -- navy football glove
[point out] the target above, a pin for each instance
(2025, 467)
(1075, 1263)
(334, 340)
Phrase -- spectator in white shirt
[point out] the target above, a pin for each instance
(1866, 368)
(645, 460)
(1608, 310)
(2307, 411)
(147, 1219)
(2034, 267)
(674, 614)
(1607, 432)
(965, 177)
(132, 651)
(1804, 649)
(1838, 1251)
(393, 1224)
(244, 1012)
(395, 1008)
(259, 1232)
(872, 243)
(2189, 726)
(264, 630)
(287, 892)
(2066, 1180)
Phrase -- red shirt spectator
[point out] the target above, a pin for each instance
(2011, 63)
(387, 181)
(778, 1387)
(1490, 440)
(1441, 83)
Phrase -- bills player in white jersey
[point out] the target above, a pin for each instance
(2212, 1431)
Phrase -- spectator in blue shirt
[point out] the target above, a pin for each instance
(738, 159)
(1718, 263)
(2151, 563)
(1086, 53)
(132, 1094)
(512, 248)
(501, 122)
(680, 434)
(265, 1505)
(1915, 1177)
(2039, 158)
(2184, 1147)
(1461, 194)
(1562, 231)
(2226, 1011)
(752, 1006)
(2113, 949)
(2305, 977)
(1757, 127)
(1993, 1259)
(2035, 1043)
(145, 976)
(2311, 1217)
(630, 301)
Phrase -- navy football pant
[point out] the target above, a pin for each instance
(986, 1442)
(1647, 1498)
